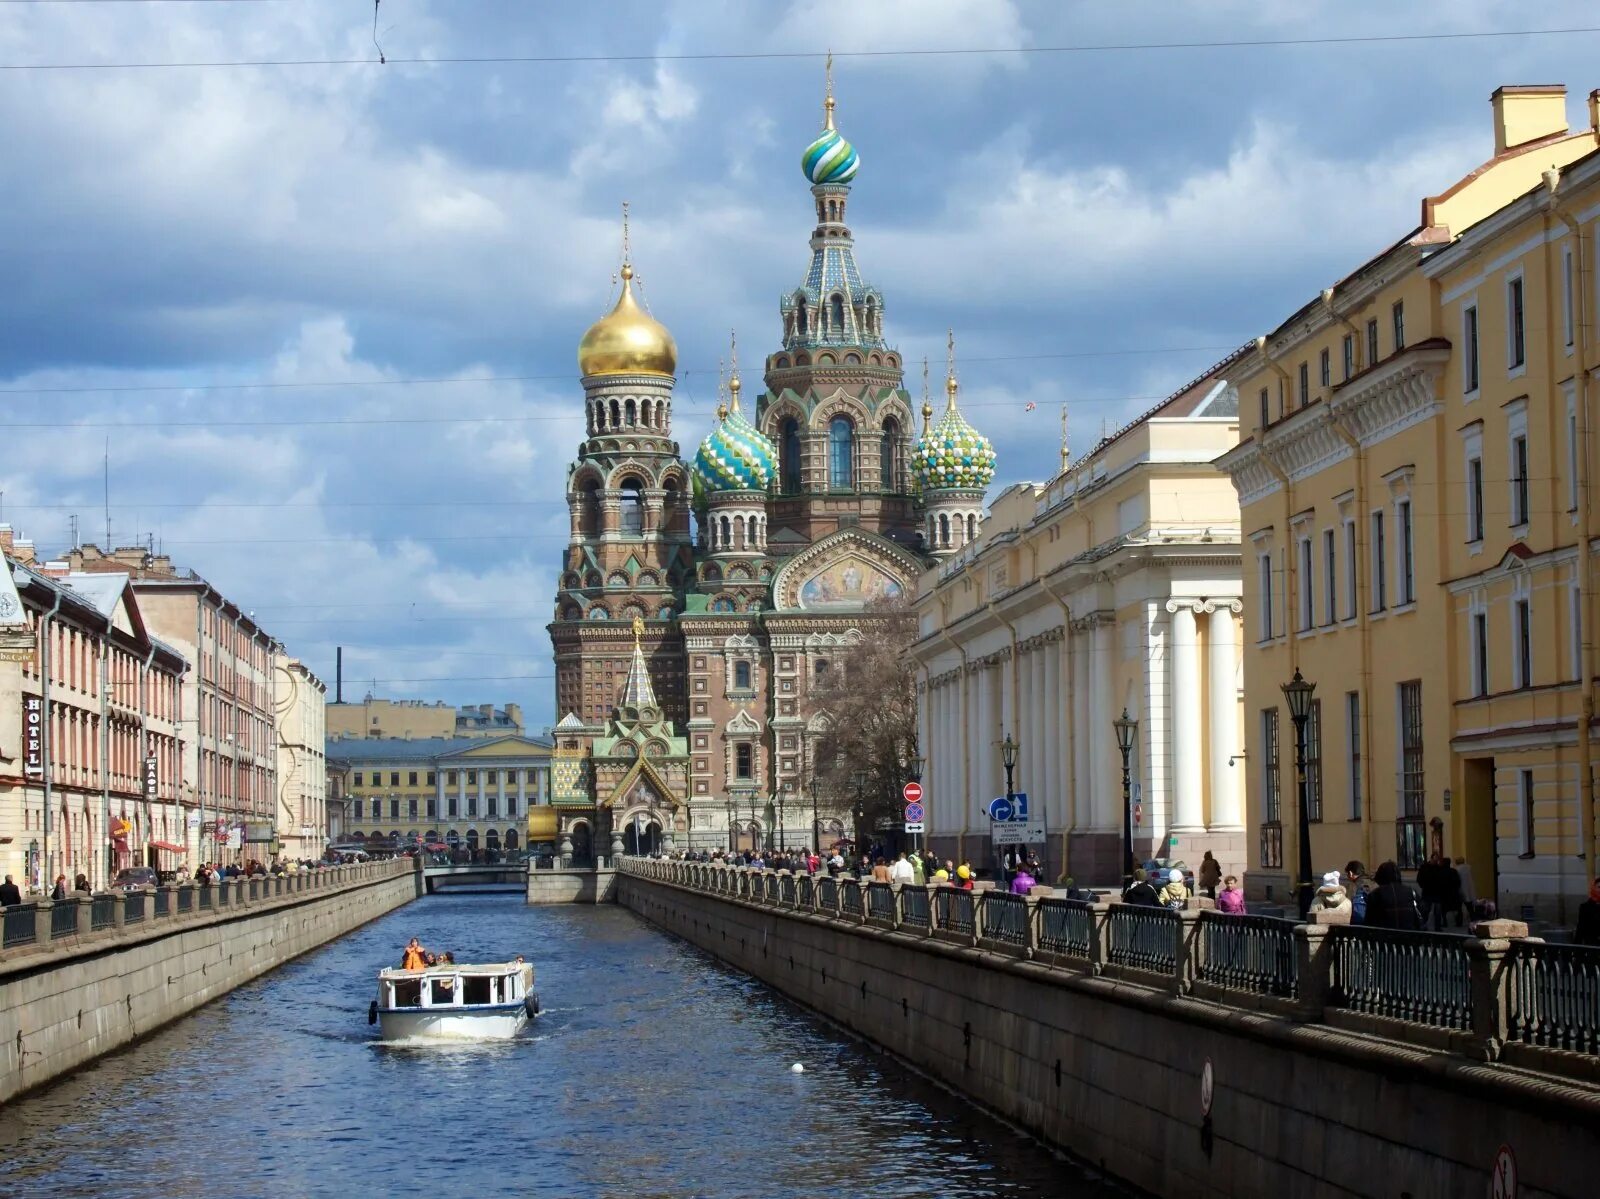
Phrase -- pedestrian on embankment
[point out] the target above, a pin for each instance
(1392, 904)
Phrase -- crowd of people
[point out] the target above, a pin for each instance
(416, 957)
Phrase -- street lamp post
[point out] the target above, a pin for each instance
(1298, 694)
(859, 779)
(731, 845)
(816, 823)
(752, 820)
(1008, 758)
(914, 766)
(1127, 727)
(781, 792)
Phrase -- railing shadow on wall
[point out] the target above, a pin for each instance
(90, 921)
(1494, 995)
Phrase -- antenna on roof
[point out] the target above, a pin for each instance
(108, 493)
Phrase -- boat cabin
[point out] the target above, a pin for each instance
(455, 987)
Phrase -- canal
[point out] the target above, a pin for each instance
(654, 1071)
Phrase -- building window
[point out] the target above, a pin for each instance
(741, 676)
(451, 778)
(377, 809)
(1402, 519)
(1306, 593)
(1372, 341)
(1330, 580)
(358, 778)
(1480, 653)
(889, 455)
(433, 779)
(1566, 295)
(472, 805)
(492, 803)
(1397, 317)
(1474, 499)
(454, 810)
(1266, 408)
(1469, 340)
(1325, 367)
(632, 510)
(1350, 592)
(413, 778)
(1264, 565)
(1525, 813)
(1305, 384)
(511, 805)
(1519, 479)
(789, 456)
(1380, 576)
(433, 807)
(394, 808)
(1314, 761)
(1411, 834)
(1352, 712)
(1272, 825)
(1349, 355)
(394, 778)
(820, 668)
(1522, 635)
(1572, 453)
(472, 778)
(1516, 334)
(411, 808)
(841, 452)
(742, 761)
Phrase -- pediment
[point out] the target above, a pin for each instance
(642, 785)
(502, 747)
(743, 723)
(847, 571)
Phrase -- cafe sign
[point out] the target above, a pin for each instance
(152, 777)
(33, 736)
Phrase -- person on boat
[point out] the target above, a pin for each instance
(413, 958)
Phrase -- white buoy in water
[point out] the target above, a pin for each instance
(797, 1068)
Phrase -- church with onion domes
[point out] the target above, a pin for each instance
(701, 604)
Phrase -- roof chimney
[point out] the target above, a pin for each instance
(1527, 112)
(1594, 110)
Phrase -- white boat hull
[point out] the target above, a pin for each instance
(499, 1023)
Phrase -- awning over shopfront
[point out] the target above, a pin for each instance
(167, 847)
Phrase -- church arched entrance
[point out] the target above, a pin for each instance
(645, 839)
(582, 846)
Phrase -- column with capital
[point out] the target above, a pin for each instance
(1102, 709)
(1222, 667)
(1083, 734)
(1188, 799)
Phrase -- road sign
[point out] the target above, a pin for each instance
(1000, 809)
(1017, 833)
(914, 813)
(1503, 1181)
(1138, 813)
(1013, 807)
(911, 792)
(915, 826)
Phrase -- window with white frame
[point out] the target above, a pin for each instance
(1266, 407)
(1475, 498)
(1325, 367)
(1305, 593)
(1567, 324)
(1330, 580)
(1314, 762)
(1525, 825)
(1351, 598)
(1397, 320)
(1380, 574)
(1516, 328)
(1480, 652)
(1469, 349)
(1522, 642)
(1305, 384)
(1349, 355)
(1572, 448)
(1352, 712)
(1519, 480)
(1372, 341)
(1402, 520)
(1264, 566)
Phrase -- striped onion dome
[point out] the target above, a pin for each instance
(952, 454)
(735, 456)
(830, 159)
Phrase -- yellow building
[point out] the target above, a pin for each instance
(415, 718)
(1114, 586)
(1413, 494)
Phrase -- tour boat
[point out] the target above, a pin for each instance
(490, 1002)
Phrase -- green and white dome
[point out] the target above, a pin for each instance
(952, 455)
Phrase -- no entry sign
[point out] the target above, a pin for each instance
(911, 792)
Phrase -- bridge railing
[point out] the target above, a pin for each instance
(1493, 994)
(83, 920)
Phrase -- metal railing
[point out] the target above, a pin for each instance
(1554, 996)
(954, 909)
(19, 925)
(1144, 938)
(186, 899)
(880, 902)
(1066, 926)
(805, 889)
(828, 894)
(915, 911)
(1005, 918)
(63, 919)
(850, 899)
(133, 907)
(207, 897)
(1256, 954)
(102, 912)
(1421, 978)
(786, 889)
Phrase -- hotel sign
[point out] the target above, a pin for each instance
(33, 736)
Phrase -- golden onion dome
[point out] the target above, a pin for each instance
(627, 340)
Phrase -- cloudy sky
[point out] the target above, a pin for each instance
(323, 316)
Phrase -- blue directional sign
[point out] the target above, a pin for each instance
(1003, 810)
(1000, 809)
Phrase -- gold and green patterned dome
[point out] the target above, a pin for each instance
(952, 455)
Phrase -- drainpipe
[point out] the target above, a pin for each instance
(1071, 793)
(1578, 299)
(105, 754)
(47, 663)
(1359, 357)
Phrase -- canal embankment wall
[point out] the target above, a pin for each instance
(1175, 1087)
(568, 885)
(98, 973)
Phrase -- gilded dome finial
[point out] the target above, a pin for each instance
(829, 159)
(927, 405)
(827, 99)
(950, 384)
(627, 340)
(722, 391)
(733, 381)
(627, 257)
(1066, 454)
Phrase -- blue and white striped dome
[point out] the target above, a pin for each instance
(830, 159)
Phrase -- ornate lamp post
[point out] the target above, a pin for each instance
(858, 779)
(1298, 694)
(816, 823)
(1127, 728)
(752, 820)
(914, 766)
(781, 791)
(731, 843)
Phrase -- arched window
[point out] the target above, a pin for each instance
(800, 316)
(841, 452)
(627, 407)
(743, 761)
(889, 455)
(872, 315)
(789, 456)
(972, 529)
(725, 540)
(632, 504)
(741, 675)
(616, 415)
(589, 507)
(836, 314)
(944, 531)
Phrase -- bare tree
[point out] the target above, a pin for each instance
(869, 700)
